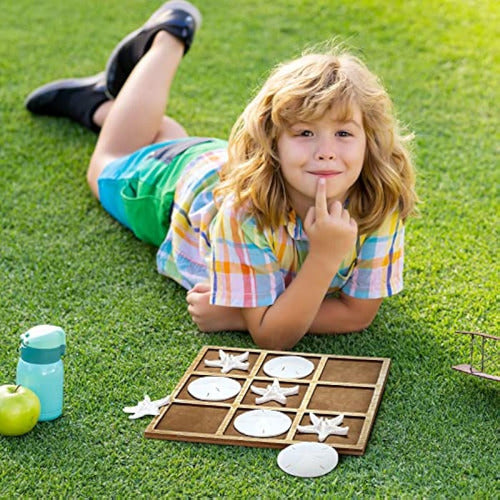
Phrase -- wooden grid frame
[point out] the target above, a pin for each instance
(351, 385)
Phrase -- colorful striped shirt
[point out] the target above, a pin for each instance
(247, 267)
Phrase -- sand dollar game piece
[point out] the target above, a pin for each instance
(262, 423)
(214, 388)
(288, 367)
(308, 459)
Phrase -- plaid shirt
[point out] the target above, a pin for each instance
(251, 268)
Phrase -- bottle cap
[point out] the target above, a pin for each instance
(43, 344)
(44, 337)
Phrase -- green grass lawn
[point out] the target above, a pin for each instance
(64, 261)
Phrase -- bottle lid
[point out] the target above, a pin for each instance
(44, 337)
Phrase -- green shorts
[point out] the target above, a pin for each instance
(138, 190)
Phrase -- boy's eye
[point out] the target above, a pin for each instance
(306, 133)
(344, 133)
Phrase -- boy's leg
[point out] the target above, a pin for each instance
(166, 128)
(139, 73)
(88, 100)
(136, 117)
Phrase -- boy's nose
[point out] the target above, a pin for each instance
(325, 154)
(325, 149)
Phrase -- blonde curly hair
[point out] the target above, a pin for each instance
(303, 90)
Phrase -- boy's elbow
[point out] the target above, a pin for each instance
(363, 322)
(272, 335)
(361, 312)
(272, 341)
(361, 325)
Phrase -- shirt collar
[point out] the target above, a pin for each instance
(294, 226)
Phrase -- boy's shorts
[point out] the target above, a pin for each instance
(138, 190)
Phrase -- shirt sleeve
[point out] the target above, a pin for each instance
(244, 271)
(379, 269)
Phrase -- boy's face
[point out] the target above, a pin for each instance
(327, 147)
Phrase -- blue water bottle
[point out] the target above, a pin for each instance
(40, 367)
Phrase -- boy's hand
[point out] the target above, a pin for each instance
(210, 318)
(331, 230)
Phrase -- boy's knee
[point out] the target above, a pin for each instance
(97, 164)
(93, 173)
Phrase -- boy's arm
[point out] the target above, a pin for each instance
(303, 308)
(345, 314)
(335, 315)
(331, 232)
(278, 326)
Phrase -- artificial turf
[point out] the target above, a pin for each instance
(64, 261)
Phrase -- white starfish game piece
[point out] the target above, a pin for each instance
(324, 426)
(228, 362)
(146, 407)
(273, 392)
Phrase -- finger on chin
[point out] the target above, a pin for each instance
(321, 204)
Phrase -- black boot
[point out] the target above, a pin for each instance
(74, 98)
(177, 17)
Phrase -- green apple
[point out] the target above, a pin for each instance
(19, 410)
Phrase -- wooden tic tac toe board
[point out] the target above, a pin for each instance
(349, 385)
